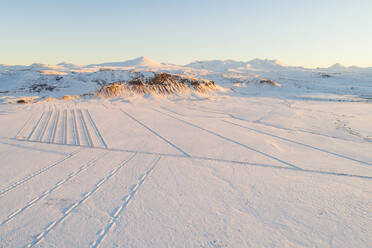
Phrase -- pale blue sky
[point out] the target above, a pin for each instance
(297, 32)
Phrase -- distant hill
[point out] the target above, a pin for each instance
(226, 65)
(137, 62)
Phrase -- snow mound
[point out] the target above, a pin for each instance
(266, 64)
(67, 65)
(337, 67)
(238, 66)
(341, 68)
(216, 65)
(137, 62)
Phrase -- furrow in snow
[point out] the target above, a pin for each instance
(67, 213)
(98, 133)
(127, 199)
(89, 164)
(35, 174)
(230, 140)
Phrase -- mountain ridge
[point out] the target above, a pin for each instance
(213, 65)
(141, 61)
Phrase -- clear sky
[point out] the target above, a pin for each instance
(297, 32)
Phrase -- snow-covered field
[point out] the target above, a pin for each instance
(253, 165)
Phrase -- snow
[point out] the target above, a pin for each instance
(231, 65)
(137, 62)
(251, 166)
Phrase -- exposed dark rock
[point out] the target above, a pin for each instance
(324, 75)
(38, 87)
(22, 101)
(268, 81)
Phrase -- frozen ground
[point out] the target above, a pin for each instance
(255, 166)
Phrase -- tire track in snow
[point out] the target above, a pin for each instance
(89, 164)
(115, 216)
(173, 155)
(50, 128)
(230, 140)
(76, 131)
(63, 129)
(68, 127)
(85, 128)
(37, 173)
(222, 161)
(206, 110)
(32, 148)
(67, 213)
(35, 127)
(232, 116)
(23, 128)
(45, 127)
(96, 129)
(191, 115)
(65, 137)
(299, 143)
(54, 130)
(152, 131)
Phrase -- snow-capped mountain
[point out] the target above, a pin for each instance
(67, 78)
(340, 68)
(137, 62)
(337, 67)
(231, 65)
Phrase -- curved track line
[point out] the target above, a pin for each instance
(67, 213)
(231, 140)
(96, 129)
(115, 216)
(152, 131)
(89, 164)
(32, 175)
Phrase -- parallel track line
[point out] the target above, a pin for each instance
(38, 238)
(31, 203)
(35, 174)
(35, 127)
(96, 129)
(114, 218)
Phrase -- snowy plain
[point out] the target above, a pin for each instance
(251, 166)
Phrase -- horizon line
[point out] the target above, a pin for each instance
(279, 62)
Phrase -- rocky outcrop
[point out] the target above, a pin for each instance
(160, 84)
(38, 87)
(269, 82)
